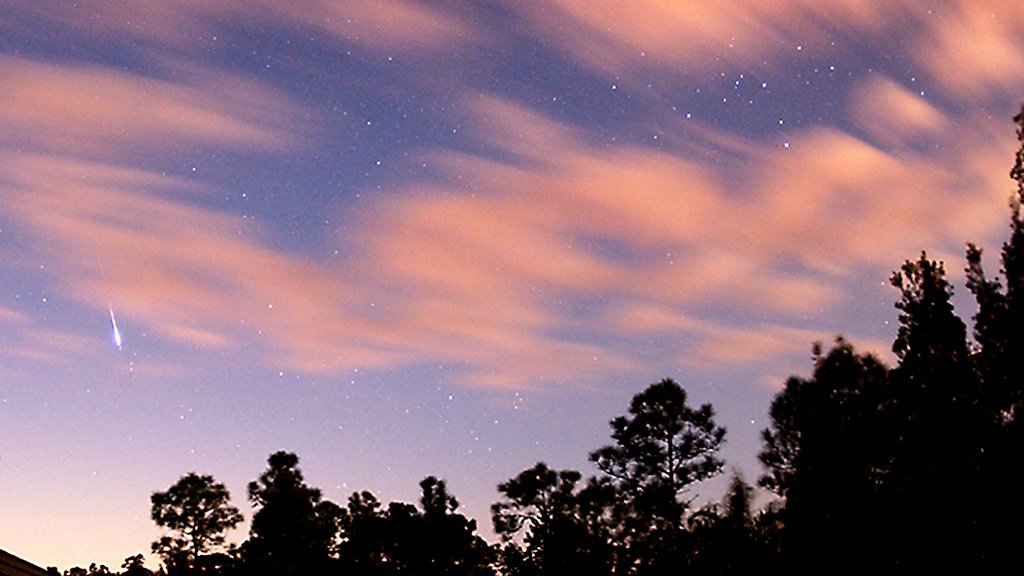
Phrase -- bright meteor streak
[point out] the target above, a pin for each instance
(115, 333)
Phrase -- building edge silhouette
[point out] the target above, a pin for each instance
(11, 565)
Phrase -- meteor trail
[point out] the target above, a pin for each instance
(115, 333)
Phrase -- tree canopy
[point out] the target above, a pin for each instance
(564, 527)
(197, 512)
(663, 445)
(293, 529)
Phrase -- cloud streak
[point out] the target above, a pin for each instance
(973, 49)
(99, 112)
(612, 37)
(548, 257)
(184, 272)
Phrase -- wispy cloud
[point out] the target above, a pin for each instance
(894, 116)
(613, 37)
(8, 316)
(97, 111)
(565, 222)
(974, 50)
(189, 274)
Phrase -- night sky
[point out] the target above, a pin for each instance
(414, 238)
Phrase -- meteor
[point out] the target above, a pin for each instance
(115, 333)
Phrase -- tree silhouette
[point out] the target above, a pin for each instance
(449, 539)
(999, 336)
(661, 448)
(723, 538)
(1000, 314)
(197, 511)
(737, 515)
(401, 540)
(564, 529)
(135, 566)
(363, 546)
(663, 445)
(938, 438)
(824, 453)
(293, 529)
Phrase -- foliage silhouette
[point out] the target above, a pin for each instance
(824, 453)
(563, 528)
(403, 540)
(726, 539)
(661, 448)
(447, 540)
(135, 566)
(197, 512)
(363, 546)
(293, 529)
(663, 444)
(93, 570)
(999, 337)
(933, 400)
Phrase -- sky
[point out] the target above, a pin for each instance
(414, 238)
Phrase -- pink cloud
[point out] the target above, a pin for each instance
(22, 337)
(96, 111)
(174, 268)
(11, 316)
(30, 342)
(725, 344)
(566, 221)
(183, 273)
(974, 50)
(835, 202)
(893, 115)
(710, 342)
(615, 37)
